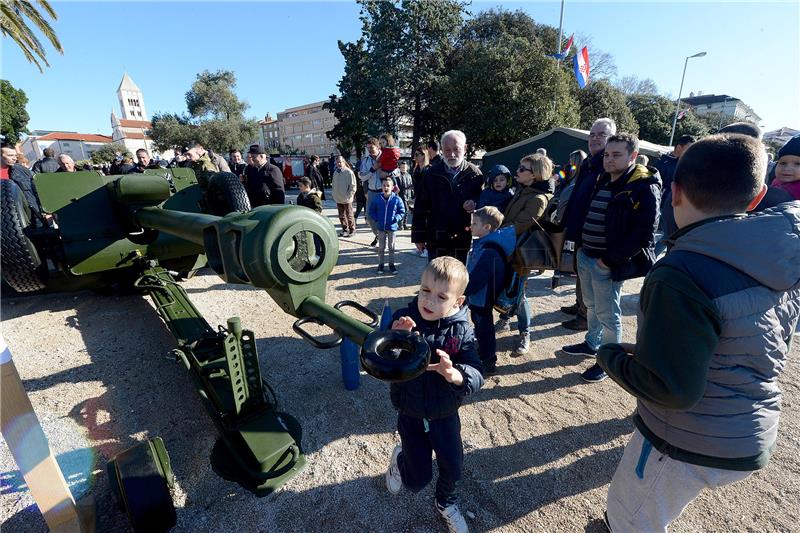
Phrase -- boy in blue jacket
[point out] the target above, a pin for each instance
(387, 211)
(487, 266)
(427, 405)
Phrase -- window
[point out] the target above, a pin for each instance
(64, 144)
(317, 122)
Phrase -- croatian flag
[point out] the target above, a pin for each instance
(565, 51)
(563, 54)
(581, 64)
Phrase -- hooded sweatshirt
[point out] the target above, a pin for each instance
(715, 323)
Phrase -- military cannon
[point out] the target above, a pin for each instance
(149, 231)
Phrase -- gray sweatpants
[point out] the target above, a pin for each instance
(384, 238)
(650, 489)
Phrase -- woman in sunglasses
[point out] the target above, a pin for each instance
(528, 205)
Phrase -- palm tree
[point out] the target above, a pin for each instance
(13, 24)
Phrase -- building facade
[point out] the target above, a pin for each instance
(304, 128)
(781, 136)
(270, 134)
(726, 106)
(78, 146)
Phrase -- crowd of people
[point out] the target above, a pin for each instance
(716, 313)
(712, 227)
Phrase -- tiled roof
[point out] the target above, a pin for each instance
(69, 136)
(126, 123)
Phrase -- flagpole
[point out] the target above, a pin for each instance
(560, 31)
(678, 107)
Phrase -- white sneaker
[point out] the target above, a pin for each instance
(503, 324)
(394, 481)
(455, 520)
(523, 345)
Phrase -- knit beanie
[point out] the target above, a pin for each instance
(792, 147)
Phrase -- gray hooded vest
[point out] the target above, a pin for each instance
(749, 267)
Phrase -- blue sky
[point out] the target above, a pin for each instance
(284, 54)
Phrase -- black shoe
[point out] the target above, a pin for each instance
(570, 309)
(594, 374)
(489, 369)
(392, 269)
(576, 324)
(380, 269)
(374, 242)
(580, 349)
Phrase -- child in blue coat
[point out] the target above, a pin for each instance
(497, 193)
(488, 267)
(387, 211)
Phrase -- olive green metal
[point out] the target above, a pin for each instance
(95, 232)
(344, 325)
(137, 189)
(287, 250)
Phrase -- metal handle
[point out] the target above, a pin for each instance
(373, 316)
(313, 341)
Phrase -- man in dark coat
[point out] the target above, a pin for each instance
(143, 162)
(46, 164)
(578, 206)
(264, 181)
(19, 175)
(447, 197)
(237, 164)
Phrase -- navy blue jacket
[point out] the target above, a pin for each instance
(498, 199)
(666, 166)
(578, 206)
(387, 212)
(631, 221)
(429, 395)
(488, 267)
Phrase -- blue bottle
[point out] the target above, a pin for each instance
(386, 317)
(351, 365)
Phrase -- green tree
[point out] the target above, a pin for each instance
(502, 87)
(601, 99)
(352, 106)
(107, 153)
(392, 71)
(654, 114)
(14, 117)
(215, 119)
(14, 16)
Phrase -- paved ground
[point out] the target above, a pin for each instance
(540, 445)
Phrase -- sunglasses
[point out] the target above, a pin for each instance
(523, 168)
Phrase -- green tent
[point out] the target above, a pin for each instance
(559, 143)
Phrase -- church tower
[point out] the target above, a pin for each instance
(131, 100)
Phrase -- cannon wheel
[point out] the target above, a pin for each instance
(23, 269)
(226, 194)
(140, 479)
(394, 355)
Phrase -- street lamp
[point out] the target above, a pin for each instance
(678, 108)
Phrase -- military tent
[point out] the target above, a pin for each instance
(559, 143)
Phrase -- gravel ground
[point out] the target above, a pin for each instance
(540, 445)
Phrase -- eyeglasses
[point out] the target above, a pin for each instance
(523, 168)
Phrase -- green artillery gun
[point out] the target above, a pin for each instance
(150, 230)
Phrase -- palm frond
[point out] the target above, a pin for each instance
(14, 25)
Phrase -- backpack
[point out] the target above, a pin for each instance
(509, 296)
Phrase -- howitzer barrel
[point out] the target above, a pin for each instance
(188, 226)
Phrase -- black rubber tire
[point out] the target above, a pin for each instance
(226, 194)
(140, 489)
(21, 266)
(395, 355)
